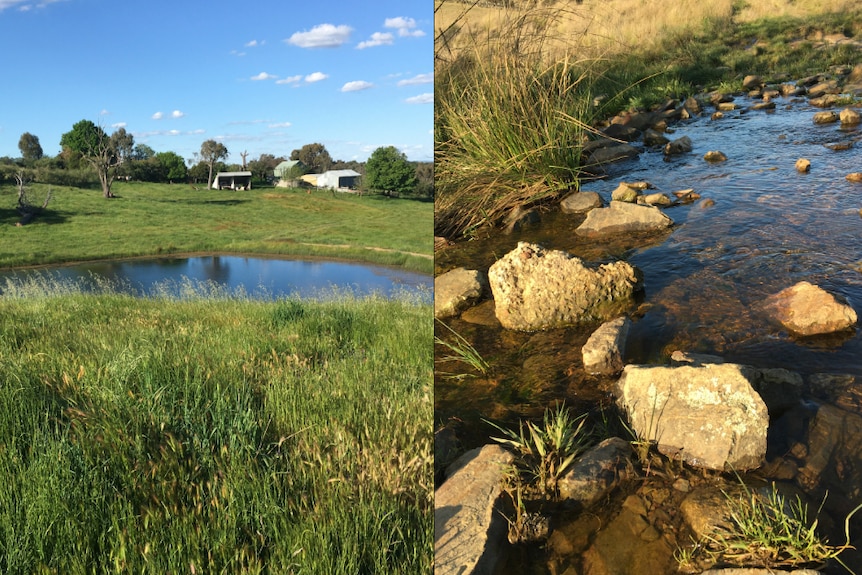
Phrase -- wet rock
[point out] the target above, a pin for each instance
(706, 203)
(715, 156)
(610, 154)
(623, 217)
(689, 358)
(717, 116)
(827, 117)
(580, 202)
(536, 289)
(693, 105)
(710, 415)
(823, 88)
(469, 530)
(839, 146)
(622, 132)
(657, 199)
(679, 146)
(806, 309)
(456, 290)
(624, 193)
(765, 105)
(854, 177)
(849, 117)
(752, 82)
(481, 314)
(686, 196)
(826, 101)
(654, 138)
(834, 461)
(726, 107)
(604, 350)
(518, 218)
(780, 389)
(803, 165)
(597, 472)
(788, 90)
(717, 98)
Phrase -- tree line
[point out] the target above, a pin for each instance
(88, 152)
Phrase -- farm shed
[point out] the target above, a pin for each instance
(288, 168)
(338, 179)
(232, 181)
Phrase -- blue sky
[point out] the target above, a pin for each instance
(262, 76)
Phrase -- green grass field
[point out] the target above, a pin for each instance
(214, 434)
(160, 219)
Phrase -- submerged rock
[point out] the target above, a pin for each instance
(536, 289)
(709, 415)
(456, 290)
(806, 309)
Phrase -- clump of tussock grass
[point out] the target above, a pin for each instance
(509, 124)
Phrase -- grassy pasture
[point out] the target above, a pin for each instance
(214, 434)
(160, 219)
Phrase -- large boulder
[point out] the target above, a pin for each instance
(681, 145)
(709, 415)
(469, 531)
(536, 289)
(623, 217)
(806, 309)
(603, 353)
(456, 290)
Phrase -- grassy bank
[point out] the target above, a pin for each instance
(153, 219)
(214, 434)
(518, 91)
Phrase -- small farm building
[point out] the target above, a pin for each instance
(289, 168)
(337, 179)
(232, 181)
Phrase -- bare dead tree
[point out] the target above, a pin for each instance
(244, 155)
(27, 210)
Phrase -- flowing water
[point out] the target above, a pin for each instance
(705, 280)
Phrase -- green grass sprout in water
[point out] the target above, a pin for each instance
(461, 351)
(214, 434)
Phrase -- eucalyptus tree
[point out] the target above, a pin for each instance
(104, 153)
(211, 152)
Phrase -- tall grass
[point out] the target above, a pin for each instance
(508, 125)
(214, 435)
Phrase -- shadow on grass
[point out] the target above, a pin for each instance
(186, 200)
(46, 216)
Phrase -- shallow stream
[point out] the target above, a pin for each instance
(769, 228)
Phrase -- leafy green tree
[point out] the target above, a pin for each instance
(389, 171)
(173, 166)
(314, 156)
(211, 152)
(104, 153)
(30, 148)
(143, 152)
(262, 168)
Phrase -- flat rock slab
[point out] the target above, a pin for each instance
(456, 290)
(469, 531)
(580, 202)
(807, 309)
(709, 416)
(603, 353)
(537, 289)
(623, 217)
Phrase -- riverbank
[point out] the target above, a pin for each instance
(214, 434)
(161, 219)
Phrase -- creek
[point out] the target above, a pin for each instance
(255, 276)
(769, 228)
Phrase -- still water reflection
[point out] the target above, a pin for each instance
(254, 276)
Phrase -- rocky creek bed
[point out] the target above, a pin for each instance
(746, 268)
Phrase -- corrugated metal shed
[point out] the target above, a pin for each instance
(232, 181)
(338, 179)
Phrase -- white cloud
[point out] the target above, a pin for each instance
(280, 125)
(377, 39)
(321, 36)
(173, 133)
(177, 114)
(418, 79)
(290, 79)
(254, 43)
(158, 116)
(237, 53)
(426, 98)
(263, 76)
(104, 112)
(316, 77)
(405, 26)
(26, 5)
(118, 125)
(356, 86)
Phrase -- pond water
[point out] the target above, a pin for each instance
(253, 275)
(705, 280)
